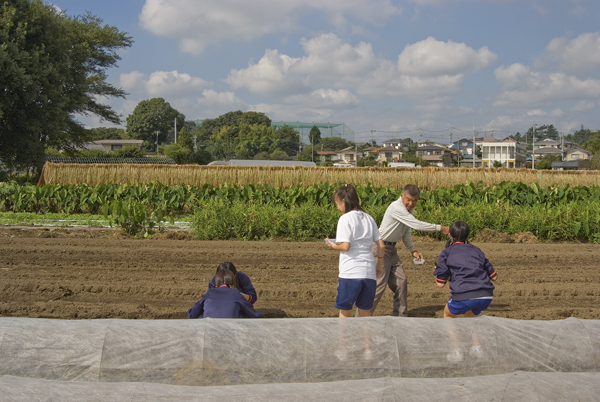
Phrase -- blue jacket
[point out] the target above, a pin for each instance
(468, 271)
(223, 302)
(244, 286)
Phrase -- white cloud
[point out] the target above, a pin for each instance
(584, 107)
(223, 100)
(132, 80)
(282, 112)
(163, 83)
(576, 55)
(522, 87)
(172, 83)
(331, 62)
(536, 112)
(325, 98)
(272, 75)
(387, 80)
(198, 24)
(331, 58)
(557, 113)
(430, 57)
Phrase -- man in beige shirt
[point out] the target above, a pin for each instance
(397, 224)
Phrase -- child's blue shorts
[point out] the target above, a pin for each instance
(474, 305)
(359, 291)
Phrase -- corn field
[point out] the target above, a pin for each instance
(285, 177)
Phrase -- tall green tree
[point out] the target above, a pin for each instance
(107, 133)
(314, 136)
(154, 116)
(210, 127)
(332, 144)
(52, 69)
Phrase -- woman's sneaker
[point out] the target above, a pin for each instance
(455, 356)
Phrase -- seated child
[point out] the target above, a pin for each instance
(470, 275)
(223, 301)
(242, 282)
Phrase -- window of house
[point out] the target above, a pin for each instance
(574, 156)
(388, 154)
(115, 146)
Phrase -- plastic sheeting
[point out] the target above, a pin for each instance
(511, 387)
(211, 352)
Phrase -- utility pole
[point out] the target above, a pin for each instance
(562, 147)
(373, 137)
(175, 130)
(157, 132)
(475, 148)
(533, 148)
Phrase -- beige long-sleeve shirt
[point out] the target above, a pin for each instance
(398, 223)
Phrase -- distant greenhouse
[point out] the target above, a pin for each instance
(148, 161)
(327, 129)
(252, 162)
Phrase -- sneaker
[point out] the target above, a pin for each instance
(477, 351)
(455, 356)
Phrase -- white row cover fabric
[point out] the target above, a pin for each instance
(518, 386)
(209, 352)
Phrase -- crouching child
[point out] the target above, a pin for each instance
(223, 301)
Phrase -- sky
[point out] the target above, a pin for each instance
(424, 69)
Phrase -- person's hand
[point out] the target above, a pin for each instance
(417, 255)
(329, 243)
(246, 296)
(379, 266)
(445, 230)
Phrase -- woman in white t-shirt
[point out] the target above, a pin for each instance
(356, 232)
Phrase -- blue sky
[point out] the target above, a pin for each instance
(411, 68)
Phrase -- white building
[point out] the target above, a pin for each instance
(509, 152)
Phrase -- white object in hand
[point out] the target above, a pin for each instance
(418, 261)
(331, 240)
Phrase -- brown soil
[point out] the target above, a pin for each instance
(100, 273)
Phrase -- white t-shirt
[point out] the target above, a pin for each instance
(360, 230)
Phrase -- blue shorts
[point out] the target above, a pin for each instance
(359, 291)
(474, 305)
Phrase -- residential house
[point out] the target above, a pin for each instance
(397, 143)
(327, 156)
(576, 153)
(435, 155)
(549, 143)
(370, 151)
(112, 145)
(510, 152)
(427, 143)
(389, 154)
(347, 155)
(464, 151)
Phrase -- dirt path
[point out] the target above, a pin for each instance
(97, 274)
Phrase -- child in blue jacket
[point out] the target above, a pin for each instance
(223, 301)
(242, 281)
(470, 275)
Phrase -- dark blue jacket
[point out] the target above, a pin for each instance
(244, 286)
(223, 302)
(468, 271)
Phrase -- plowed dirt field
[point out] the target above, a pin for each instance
(80, 274)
